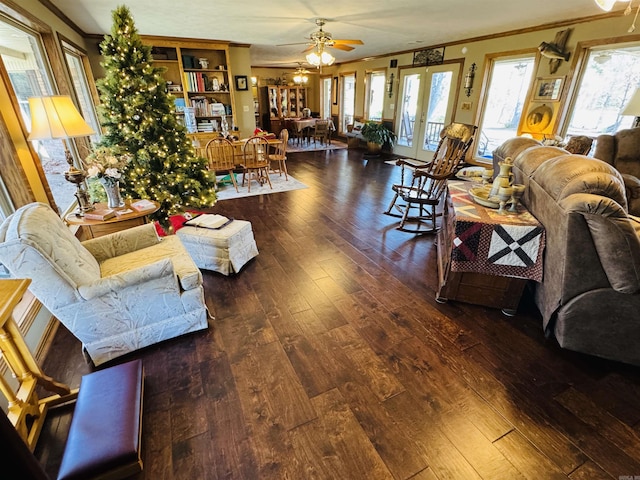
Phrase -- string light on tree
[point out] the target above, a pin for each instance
(136, 114)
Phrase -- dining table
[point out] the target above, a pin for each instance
(301, 126)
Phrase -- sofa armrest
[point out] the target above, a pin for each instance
(632, 190)
(124, 241)
(614, 237)
(129, 278)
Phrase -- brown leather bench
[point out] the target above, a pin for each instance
(105, 433)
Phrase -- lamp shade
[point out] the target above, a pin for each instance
(605, 5)
(56, 117)
(633, 107)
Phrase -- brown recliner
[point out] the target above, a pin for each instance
(622, 150)
(590, 293)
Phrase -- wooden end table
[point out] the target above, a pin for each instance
(98, 228)
(485, 258)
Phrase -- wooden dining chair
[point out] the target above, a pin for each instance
(220, 153)
(280, 155)
(256, 161)
(321, 131)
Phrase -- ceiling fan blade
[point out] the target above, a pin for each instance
(345, 48)
(309, 48)
(353, 42)
(296, 43)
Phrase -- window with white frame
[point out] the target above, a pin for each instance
(76, 64)
(375, 95)
(609, 77)
(327, 95)
(348, 109)
(510, 78)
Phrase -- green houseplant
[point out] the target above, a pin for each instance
(377, 135)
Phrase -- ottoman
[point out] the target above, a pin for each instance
(224, 250)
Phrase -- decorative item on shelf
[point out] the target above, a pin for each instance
(516, 195)
(468, 79)
(56, 117)
(204, 63)
(390, 85)
(106, 164)
(504, 178)
(504, 195)
(633, 108)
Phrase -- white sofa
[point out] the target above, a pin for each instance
(116, 293)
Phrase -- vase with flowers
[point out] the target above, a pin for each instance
(106, 164)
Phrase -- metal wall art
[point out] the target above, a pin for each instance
(431, 56)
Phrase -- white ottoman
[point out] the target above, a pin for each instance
(225, 250)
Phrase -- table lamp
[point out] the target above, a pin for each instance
(57, 117)
(633, 108)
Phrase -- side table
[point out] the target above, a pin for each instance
(486, 258)
(98, 228)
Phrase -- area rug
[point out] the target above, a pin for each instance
(227, 191)
(311, 147)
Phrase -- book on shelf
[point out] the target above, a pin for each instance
(142, 205)
(100, 214)
(126, 211)
(209, 220)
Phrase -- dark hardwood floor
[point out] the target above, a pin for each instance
(329, 359)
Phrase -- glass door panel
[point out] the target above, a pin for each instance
(427, 105)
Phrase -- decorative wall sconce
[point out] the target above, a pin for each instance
(390, 86)
(468, 79)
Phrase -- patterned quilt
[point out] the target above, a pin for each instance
(486, 242)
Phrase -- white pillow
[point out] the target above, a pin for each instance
(357, 125)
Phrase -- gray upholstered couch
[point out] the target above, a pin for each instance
(590, 294)
(622, 150)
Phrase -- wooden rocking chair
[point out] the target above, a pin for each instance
(424, 189)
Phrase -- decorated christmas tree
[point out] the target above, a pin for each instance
(137, 117)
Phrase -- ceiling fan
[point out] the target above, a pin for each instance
(321, 39)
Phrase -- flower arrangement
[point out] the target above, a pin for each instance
(106, 164)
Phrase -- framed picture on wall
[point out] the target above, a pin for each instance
(548, 89)
(241, 82)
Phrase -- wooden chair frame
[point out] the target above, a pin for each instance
(220, 153)
(424, 191)
(256, 161)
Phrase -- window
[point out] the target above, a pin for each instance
(327, 95)
(348, 100)
(76, 65)
(609, 78)
(375, 95)
(26, 63)
(509, 82)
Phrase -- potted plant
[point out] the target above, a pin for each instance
(377, 135)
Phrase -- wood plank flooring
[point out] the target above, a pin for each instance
(329, 359)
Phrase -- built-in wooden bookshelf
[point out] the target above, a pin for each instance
(198, 76)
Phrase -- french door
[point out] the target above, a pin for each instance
(427, 98)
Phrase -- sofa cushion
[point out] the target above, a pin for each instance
(170, 246)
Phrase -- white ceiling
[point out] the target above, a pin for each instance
(385, 26)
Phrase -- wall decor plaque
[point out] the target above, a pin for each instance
(430, 56)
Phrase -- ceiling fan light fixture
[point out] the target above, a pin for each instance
(324, 58)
